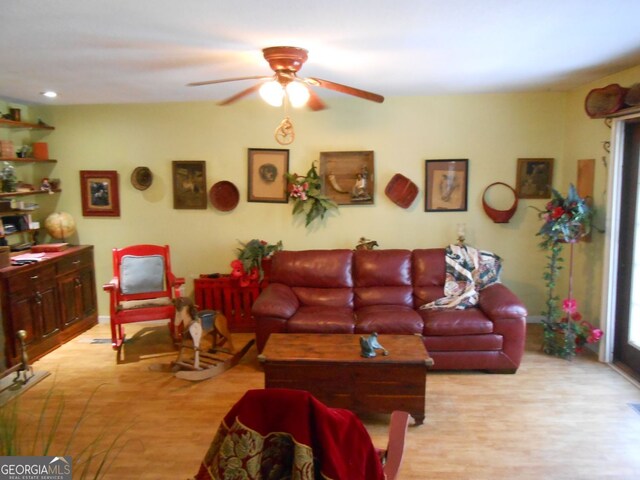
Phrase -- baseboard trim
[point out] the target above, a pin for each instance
(106, 319)
(623, 373)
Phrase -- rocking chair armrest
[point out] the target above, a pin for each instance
(112, 286)
(175, 281)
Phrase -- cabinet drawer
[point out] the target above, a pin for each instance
(74, 262)
(33, 279)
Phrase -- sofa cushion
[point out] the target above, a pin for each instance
(318, 319)
(456, 322)
(422, 295)
(428, 275)
(395, 319)
(464, 343)
(374, 268)
(382, 277)
(312, 268)
(428, 267)
(327, 297)
(364, 296)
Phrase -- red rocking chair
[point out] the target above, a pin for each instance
(143, 288)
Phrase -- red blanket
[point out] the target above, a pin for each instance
(288, 434)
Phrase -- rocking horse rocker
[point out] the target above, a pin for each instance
(203, 353)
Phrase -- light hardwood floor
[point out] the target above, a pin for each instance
(553, 419)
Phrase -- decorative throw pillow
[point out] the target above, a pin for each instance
(141, 274)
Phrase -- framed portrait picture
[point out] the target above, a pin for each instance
(348, 178)
(446, 183)
(267, 180)
(534, 177)
(99, 190)
(189, 184)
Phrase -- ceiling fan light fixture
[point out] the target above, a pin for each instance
(298, 94)
(272, 93)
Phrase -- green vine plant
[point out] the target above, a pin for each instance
(550, 276)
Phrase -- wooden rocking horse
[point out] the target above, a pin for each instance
(203, 353)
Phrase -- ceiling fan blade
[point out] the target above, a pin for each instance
(223, 80)
(241, 94)
(314, 102)
(374, 97)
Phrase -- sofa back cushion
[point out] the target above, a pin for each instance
(317, 277)
(312, 268)
(382, 277)
(428, 275)
(324, 297)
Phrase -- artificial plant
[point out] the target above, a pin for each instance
(566, 221)
(308, 199)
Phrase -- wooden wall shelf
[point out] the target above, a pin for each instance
(30, 192)
(31, 126)
(28, 160)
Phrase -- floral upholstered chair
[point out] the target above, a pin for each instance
(281, 434)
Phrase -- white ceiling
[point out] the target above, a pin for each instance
(123, 51)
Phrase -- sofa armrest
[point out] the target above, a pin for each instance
(277, 300)
(498, 302)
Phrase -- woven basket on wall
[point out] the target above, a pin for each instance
(604, 101)
(632, 98)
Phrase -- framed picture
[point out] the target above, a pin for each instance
(446, 184)
(348, 177)
(534, 177)
(99, 190)
(189, 184)
(267, 170)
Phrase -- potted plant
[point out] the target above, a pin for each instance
(249, 265)
(566, 221)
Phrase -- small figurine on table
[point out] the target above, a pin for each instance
(369, 345)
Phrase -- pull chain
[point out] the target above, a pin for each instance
(285, 133)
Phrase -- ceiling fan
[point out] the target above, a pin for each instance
(286, 62)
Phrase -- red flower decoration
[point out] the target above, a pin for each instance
(557, 213)
(570, 305)
(236, 269)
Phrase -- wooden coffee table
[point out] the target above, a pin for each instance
(330, 367)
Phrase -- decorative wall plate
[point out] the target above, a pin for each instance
(224, 196)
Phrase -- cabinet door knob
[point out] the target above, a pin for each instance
(38, 296)
(34, 277)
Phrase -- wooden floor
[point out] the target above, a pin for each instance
(554, 419)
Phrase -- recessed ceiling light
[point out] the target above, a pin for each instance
(49, 94)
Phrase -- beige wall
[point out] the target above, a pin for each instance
(492, 131)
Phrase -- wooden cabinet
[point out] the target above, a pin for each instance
(52, 300)
(33, 304)
(77, 288)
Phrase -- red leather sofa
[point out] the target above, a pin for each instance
(365, 291)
